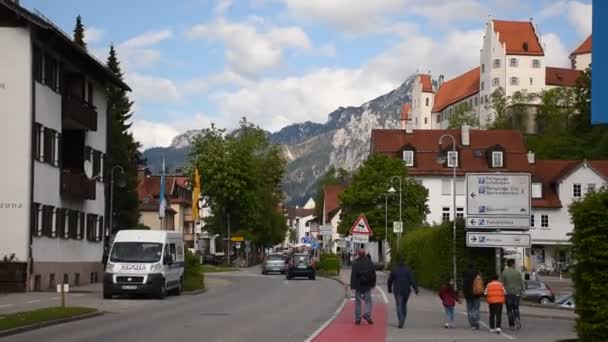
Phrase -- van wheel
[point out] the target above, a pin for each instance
(162, 291)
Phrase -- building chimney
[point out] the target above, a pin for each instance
(465, 135)
(531, 158)
(440, 81)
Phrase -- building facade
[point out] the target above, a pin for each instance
(581, 57)
(53, 194)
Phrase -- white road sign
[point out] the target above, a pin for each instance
(360, 238)
(397, 227)
(498, 194)
(505, 223)
(497, 240)
(326, 230)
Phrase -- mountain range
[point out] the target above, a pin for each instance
(312, 148)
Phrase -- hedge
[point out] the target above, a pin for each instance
(193, 273)
(329, 263)
(590, 244)
(428, 251)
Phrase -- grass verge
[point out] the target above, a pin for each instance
(24, 318)
(193, 282)
(212, 269)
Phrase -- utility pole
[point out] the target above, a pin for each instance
(229, 250)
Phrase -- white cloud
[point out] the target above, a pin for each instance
(139, 52)
(161, 134)
(274, 103)
(146, 39)
(249, 51)
(447, 11)
(556, 54)
(93, 35)
(152, 89)
(203, 85)
(222, 6)
(579, 17)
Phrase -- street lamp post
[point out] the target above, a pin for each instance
(392, 191)
(385, 228)
(441, 160)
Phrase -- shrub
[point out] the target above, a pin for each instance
(428, 251)
(329, 263)
(193, 273)
(590, 242)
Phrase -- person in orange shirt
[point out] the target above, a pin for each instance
(495, 293)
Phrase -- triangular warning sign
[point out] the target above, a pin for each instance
(361, 226)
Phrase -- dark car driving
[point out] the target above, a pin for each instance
(300, 265)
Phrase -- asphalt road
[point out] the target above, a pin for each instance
(243, 306)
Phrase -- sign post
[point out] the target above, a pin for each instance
(361, 230)
(498, 202)
(397, 227)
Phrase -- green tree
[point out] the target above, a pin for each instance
(363, 196)
(590, 242)
(556, 111)
(79, 33)
(510, 112)
(498, 104)
(241, 174)
(581, 123)
(123, 152)
(463, 115)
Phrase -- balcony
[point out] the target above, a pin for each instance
(78, 114)
(77, 186)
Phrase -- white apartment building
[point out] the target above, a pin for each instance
(52, 202)
(332, 211)
(512, 57)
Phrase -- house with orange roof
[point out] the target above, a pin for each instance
(422, 102)
(581, 57)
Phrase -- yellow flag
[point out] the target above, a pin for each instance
(196, 193)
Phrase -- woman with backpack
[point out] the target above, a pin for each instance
(472, 288)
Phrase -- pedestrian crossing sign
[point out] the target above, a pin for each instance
(361, 226)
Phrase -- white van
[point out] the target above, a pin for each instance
(145, 262)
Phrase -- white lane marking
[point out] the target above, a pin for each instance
(6, 305)
(383, 294)
(79, 295)
(328, 322)
(488, 327)
(53, 298)
(33, 301)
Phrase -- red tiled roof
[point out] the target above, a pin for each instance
(549, 172)
(457, 89)
(472, 158)
(515, 34)
(585, 47)
(330, 195)
(600, 166)
(561, 76)
(405, 112)
(427, 85)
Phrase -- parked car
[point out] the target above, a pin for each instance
(566, 301)
(274, 263)
(538, 291)
(300, 265)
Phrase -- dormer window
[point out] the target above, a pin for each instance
(537, 190)
(452, 158)
(497, 159)
(408, 158)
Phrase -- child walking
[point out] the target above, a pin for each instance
(449, 297)
(495, 293)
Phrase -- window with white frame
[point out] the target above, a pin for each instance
(482, 85)
(452, 158)
(514, 81)
(439, 118)
(536, 63)
(446, 187)
(408, 158)
(445, 214)
(426, 121)
(590, 187)
(460, 212)
(483, 68)
(537, 190)
(476, 101)
(513, 62)
(497, 160)
(497, 63)
(496, 81)
(532, 221)
(576, 191)
(427, 101)
(531, 81)
(544, 221)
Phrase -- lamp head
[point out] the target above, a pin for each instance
(392, 190)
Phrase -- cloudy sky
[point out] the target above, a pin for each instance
(196, 62)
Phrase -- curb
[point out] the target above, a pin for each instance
(194, 293)
(45, 324)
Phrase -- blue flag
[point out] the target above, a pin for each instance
(163, 203)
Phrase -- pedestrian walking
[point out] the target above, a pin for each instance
(472, 288)
(400, 281)
(495, 293)
(514, 285)
(362, 280)
(449, 298)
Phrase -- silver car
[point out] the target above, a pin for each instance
(274, 263)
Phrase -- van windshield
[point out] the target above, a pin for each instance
(136, 252)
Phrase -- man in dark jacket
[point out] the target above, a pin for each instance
(400, 281)
(473, 301)
(362, 280)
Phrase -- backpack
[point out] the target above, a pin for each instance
(478, 287)
(365, 279)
